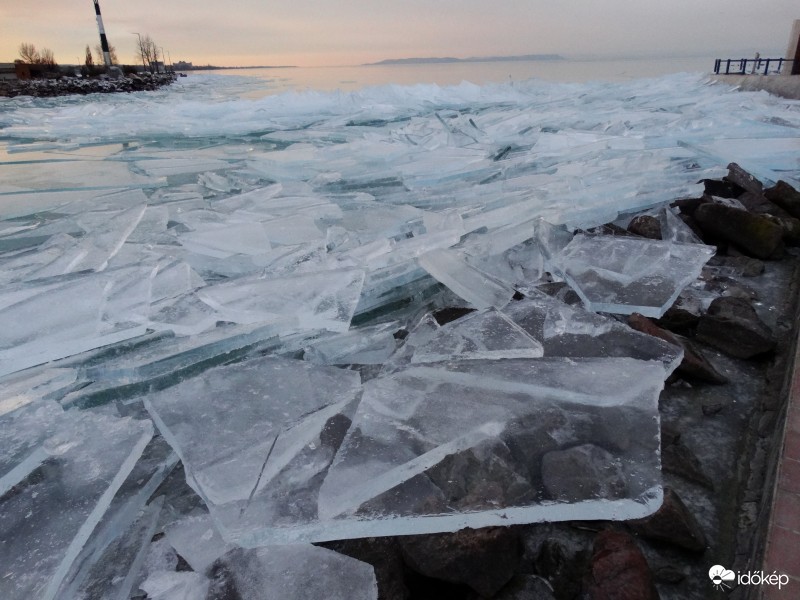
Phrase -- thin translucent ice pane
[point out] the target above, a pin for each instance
(626, 275)
(46, 523)
(479, 436)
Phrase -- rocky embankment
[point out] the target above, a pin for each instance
(721, 415)
(43, 88)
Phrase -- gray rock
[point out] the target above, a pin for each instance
(672, 524)
(743, 179)
(732, 326)
(757, 235)
(619, 570)
(645, 226)
(483, 559)
(785, 196)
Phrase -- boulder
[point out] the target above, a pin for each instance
(618, 569)
(741, 265)
(693, 365)
(721, 188)
(483, 559)
(679, 460)
(646, 226)
(785, 196)
(562, 562)
(672, 524)
(738, 176)
(732, 326)
(757, 235)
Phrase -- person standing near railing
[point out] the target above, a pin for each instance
(756, 62)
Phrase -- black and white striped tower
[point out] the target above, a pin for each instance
(103, 39)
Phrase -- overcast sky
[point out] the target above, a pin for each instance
(347, 32)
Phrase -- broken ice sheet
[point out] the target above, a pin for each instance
(298, 572)
(324, 300)
(24, 432)
(48, 519)
(109, 558)
(106, 232)
(222, 240)
(486, 334)
(467, 430)
(360, 346)
(59, 317)
(196, 539)
(471, 284)
(626, 274)
(572, 332)
(237, 426)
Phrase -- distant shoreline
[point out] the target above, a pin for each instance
(471, 59)
(215, 68)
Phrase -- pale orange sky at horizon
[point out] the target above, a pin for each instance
(349, 32)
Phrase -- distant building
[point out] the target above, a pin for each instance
(15, 70)
(182, 65)
(7, 71)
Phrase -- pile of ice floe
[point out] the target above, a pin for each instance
(341, 326)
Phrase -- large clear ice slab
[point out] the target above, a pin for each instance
(46, 522)
(239, 427)
(467, 443)
(627, 274)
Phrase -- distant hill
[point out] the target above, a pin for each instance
(450, 59)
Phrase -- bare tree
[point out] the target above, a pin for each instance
(148, 51)
(89, 60)
(47, 58)
(98, 50)
(29, 53)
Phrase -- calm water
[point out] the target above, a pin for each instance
(356, 77)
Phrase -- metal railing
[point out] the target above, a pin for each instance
(750, 66)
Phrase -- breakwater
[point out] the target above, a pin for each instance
(63, 86)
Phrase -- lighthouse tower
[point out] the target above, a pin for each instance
(103, 39)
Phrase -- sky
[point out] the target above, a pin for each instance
(349, 32)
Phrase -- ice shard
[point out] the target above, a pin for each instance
(197, 540)
(469, 430)
(626, 274)
(238, 427)
(47, 521)
(475, 286)
(299, 572)
(572, 332)
(315, 300)
(483, 335)
(360, 346)
(59, 317)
